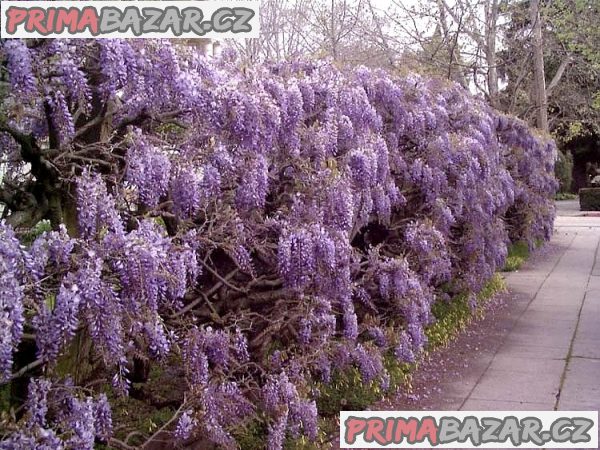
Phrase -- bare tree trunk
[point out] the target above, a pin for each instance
(333, 32)
(455, 70)
(384, 42)
(491, 26)
(539, 78)
(485, 40)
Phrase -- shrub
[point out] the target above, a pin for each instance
(518, 253)
(253, 230)
(589, 199)
(564, 171)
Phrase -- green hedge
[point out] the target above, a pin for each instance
(589, 199)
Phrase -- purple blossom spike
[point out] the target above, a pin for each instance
(37, 402)
(148, 168)
(57, 322)
(96, 208)
(61, 116)
(12, 278)
(185, 426)
(22, 78)
(103, 418)
(404, 349)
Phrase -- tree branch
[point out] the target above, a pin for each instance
(24, 370)
(558, 75)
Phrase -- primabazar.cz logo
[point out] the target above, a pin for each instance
(129, 19)
(467, 429)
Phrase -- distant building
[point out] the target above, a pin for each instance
(208, 47)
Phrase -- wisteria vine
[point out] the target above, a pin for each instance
(254, 229)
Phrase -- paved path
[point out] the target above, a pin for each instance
(550, 358)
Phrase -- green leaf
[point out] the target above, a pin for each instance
(50, 301)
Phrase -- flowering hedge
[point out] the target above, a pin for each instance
(251, 229)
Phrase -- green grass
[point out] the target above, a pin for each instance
(494, 286)
(347, 391)
(453, 317)
(517, 255)
(253, 436)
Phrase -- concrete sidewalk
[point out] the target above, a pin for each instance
(550, 356)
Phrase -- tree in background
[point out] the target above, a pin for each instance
(284, 29)
(343, 30)
(573, 76)
(538, 85)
